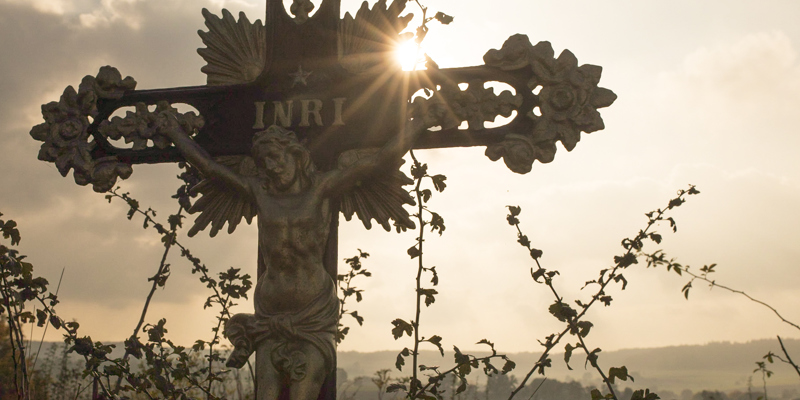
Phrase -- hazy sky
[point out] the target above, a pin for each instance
(708, 95)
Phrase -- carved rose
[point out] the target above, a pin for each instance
(569, 100)
(65, 137)
(567, 103)
(519, 152)
(108, 84)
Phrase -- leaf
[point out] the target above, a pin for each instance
(540, 366)
(443, 18)
(592, 357)
(685, 290)
(621, 373)
(568, 354)
(401, 359)
(585, 327)
(55, 322)
(435, 278)
(414, 252)
(419, 170)
(707, 269)
(358, 318)
(462, 361)
(676, 202)
(486, 342)
(536, 254)
(462, 386)
(41, 318)
(426, 195)
(625, 261)
(655, 237)
(512, 220)
(644, 394)
(508, 366)
(437, 341)
(538, 273)
(514, 210)
(562, 311)
(438, 180)
(429, 296)
(621, 278)
(401, 327)
(437, 223)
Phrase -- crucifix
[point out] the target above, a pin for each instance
(303, 117)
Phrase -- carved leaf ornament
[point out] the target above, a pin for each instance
(567, 103)
(65, 132)
(234, 49)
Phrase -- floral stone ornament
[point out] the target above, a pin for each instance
(566, 103)
(68, 143)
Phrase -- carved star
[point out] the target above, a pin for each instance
(300, 76)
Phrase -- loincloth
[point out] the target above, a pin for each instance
(315, 324)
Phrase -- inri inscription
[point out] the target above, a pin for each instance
(303, 113)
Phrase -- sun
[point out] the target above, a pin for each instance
(408, 54)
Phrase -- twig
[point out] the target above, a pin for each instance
(47, 325)
(788, 358)
(715, 284)
(420, 266)
(156, 279)
(621, 262)
(537, 388)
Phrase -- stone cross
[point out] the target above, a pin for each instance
(302, 118)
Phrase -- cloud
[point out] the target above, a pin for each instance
(740, 97)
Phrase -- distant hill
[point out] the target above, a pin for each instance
(720, 366)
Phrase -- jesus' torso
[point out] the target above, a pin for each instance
(292, 234)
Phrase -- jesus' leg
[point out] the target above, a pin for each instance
(309, 387)
(268, 380)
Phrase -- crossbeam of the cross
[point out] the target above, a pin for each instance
(233, 113)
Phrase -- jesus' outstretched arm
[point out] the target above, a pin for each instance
(339, 180)
(201, 160)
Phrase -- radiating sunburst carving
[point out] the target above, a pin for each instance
(235, 51)
(366, 40)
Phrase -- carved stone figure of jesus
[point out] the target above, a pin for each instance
(293, 330)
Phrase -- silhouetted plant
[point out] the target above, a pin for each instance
(464, 363)
(659, 259)
(573, 318)
(347, 290)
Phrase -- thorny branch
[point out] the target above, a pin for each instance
(565, 313)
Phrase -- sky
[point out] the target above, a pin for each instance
(708, 93)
